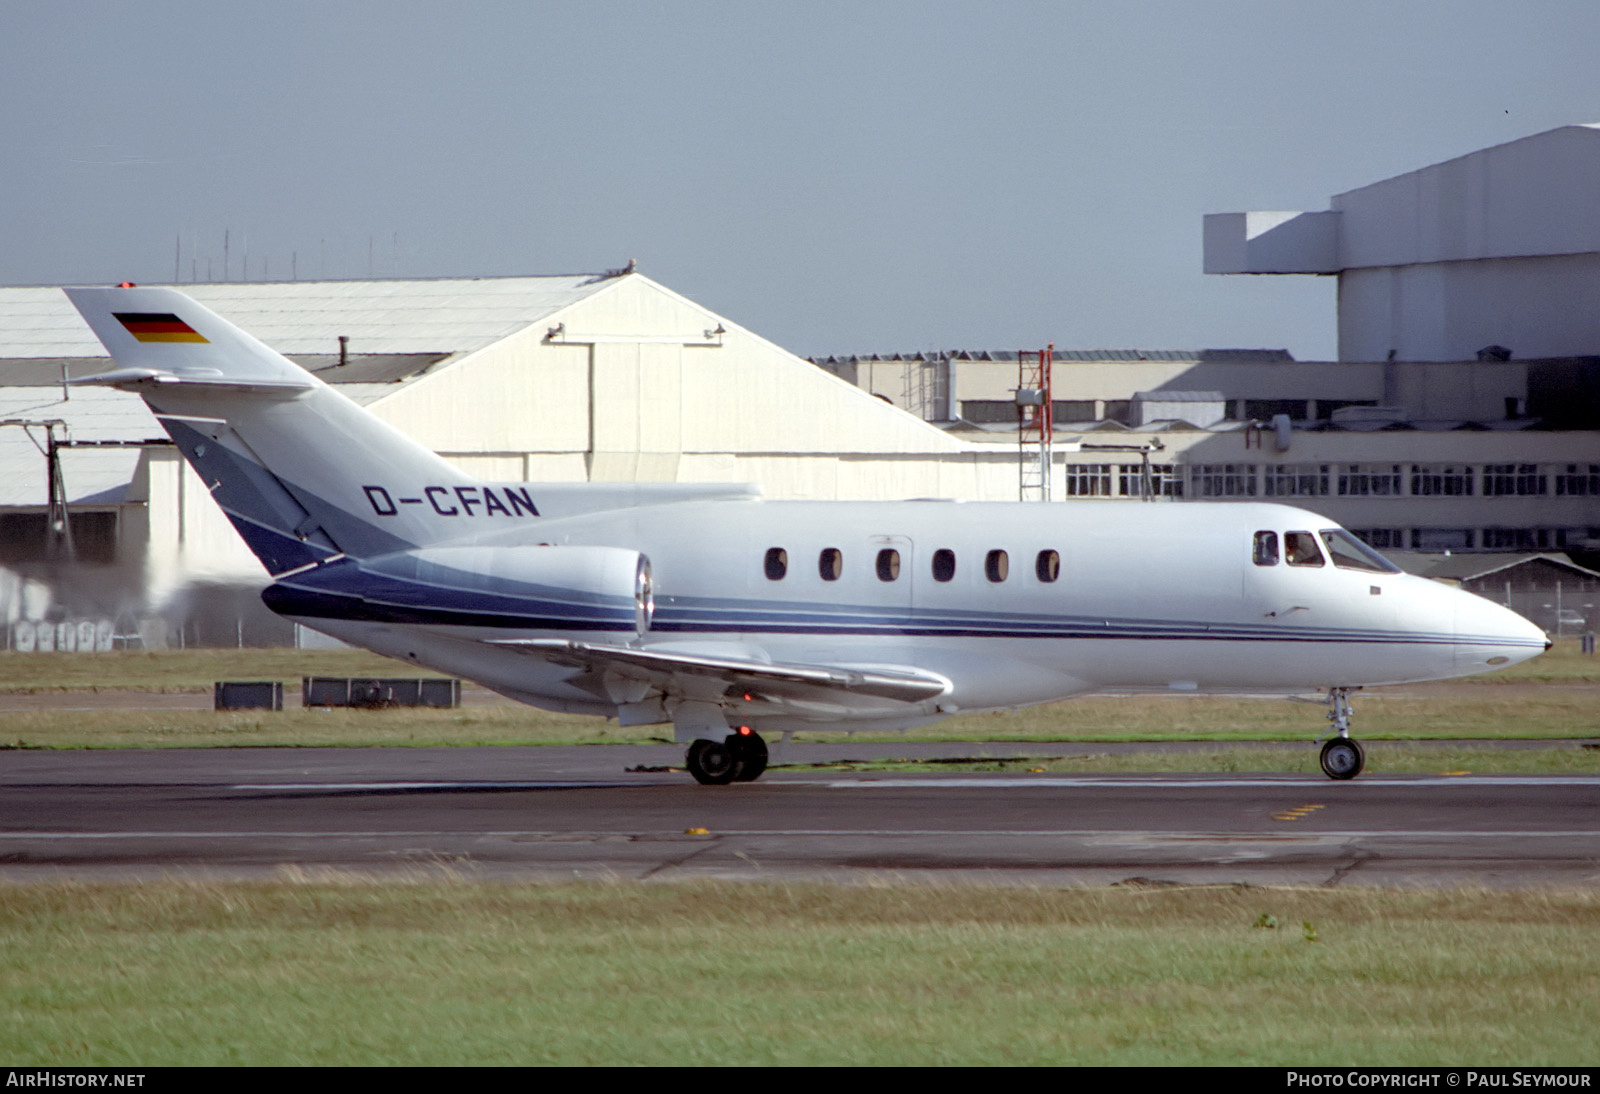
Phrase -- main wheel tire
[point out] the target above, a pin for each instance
(1343, 758)
(751, 752)
(712, 763)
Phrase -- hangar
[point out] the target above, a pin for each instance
(104, 531)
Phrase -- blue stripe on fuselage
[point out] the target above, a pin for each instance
(344, 591)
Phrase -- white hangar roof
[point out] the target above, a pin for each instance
(307, 317)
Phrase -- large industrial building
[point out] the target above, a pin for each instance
(1463, 414)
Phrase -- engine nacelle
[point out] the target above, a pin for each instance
(577, 588)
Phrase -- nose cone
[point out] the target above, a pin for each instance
(1490, 637)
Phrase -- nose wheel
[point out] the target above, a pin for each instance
(1342, 757)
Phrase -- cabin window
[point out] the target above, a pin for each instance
(1047, 566)
(944, 564)
(1301, 549)
(1349, 553)
(777, 564)
(1266, 552)
(830, 564)
(996, 566)
(888, 564)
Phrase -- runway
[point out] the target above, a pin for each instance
(615, 812)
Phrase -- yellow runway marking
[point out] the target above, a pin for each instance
(1297, 812)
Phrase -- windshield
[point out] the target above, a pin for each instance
(1349, 553)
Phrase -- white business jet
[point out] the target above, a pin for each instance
(732, 617)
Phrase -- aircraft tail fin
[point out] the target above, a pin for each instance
(303, 473)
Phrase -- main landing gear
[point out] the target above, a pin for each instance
(740, 758)
(1342, 756)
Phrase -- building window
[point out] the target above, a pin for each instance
(1579, 480)
(777, 563)
(888, 564)
(830, 564)
(1441, 480)
(1296, 480)
(1072, 410)
(1382, 539)
(1223, 480)
(1512, 480)
(1088, 480)
(1515, 539)
(944, 564)
(989, 411)
(1166, 481)
(1441, 539)
(1375, 480)
(1047, 566)
(996, 566)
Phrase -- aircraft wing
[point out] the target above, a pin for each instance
(906, 685)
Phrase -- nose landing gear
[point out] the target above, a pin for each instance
(1342, 757)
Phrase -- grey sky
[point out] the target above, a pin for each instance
(839, 177)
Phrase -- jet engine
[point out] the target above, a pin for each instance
(543, 587)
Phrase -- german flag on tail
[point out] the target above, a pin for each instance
(157, 327)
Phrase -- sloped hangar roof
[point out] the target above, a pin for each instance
(385, 318)
(397, 329)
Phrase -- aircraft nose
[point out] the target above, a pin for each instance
(1489, 636)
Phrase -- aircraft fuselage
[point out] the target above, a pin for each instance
(1014, 604)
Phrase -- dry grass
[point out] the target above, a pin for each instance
(184, 670)
(1555, 696)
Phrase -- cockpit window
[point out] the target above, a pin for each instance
(1300, 548)
(1266, 549)
(1349, 553)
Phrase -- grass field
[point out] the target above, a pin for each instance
(432, 972)
(1554, 696)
